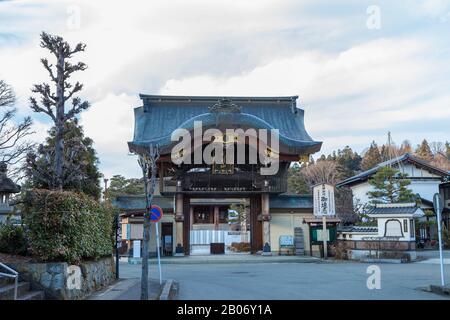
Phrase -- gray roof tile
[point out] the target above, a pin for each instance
(161, 115)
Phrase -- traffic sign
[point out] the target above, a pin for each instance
(155, 213)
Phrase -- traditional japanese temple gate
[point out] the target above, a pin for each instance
(160, 116)
(183, 223)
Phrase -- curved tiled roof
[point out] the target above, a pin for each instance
(161, 115)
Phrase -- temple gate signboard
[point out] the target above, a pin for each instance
(324, 200)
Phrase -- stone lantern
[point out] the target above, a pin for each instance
(7, 187)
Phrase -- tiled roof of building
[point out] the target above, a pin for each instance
(362, 229)
(136, 203)
(160, 115)
(394, 209)
(291, 201)
(403, 158)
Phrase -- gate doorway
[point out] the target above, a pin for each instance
(167, 238)
(219, 226)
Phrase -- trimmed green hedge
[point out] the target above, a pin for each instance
(13, 239)
(68, 226)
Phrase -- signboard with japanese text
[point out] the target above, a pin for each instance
(324, 200)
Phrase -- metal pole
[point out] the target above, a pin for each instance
(157, 250)
(324, 236)
(117, 246)
(440, 247)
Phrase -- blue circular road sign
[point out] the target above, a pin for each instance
(155, 213)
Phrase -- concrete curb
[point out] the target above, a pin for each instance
(167, 292)
(228, 261)
(395, 261)
(442, 290)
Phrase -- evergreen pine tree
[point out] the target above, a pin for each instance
(119, 185)
(80, 162)
(296, 180)
(54, 104)
(349, 162)
(390, 186)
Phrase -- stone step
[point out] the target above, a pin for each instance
(7, 291)
(32, 295)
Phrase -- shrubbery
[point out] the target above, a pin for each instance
(67, 226)
(13, 239)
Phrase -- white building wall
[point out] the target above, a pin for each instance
(360, 191)
(425, 188)
(407, 234)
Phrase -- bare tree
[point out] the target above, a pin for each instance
(437, 147)
(321, 172)
(441, 161)
(344, 205)
(13, 145)
(149, 167)
(53, 103)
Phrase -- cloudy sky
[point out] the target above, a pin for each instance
(360, 68)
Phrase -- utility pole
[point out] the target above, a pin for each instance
(148, 166)
(324, 236)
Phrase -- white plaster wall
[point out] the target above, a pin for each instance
(356, 236)
(407, 235)
(283, 224)
(359, 192)
(425, 188)
(280, 225)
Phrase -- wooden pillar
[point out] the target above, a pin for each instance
(256, 224)
(179, 221)
(216, 218)
(265, 214)
(187, 225)
(191, 217)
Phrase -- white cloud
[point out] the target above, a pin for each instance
(370, 86)
(110, 123)
(355, 84)
(436, 7)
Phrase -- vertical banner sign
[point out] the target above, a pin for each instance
(155, 213)
(324, 200)
(324, 207)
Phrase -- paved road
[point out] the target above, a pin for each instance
(346, 280)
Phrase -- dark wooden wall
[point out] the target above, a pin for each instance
(256, 224)
(186, 224)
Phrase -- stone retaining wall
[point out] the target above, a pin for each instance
(62, 281)
(362, 249)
